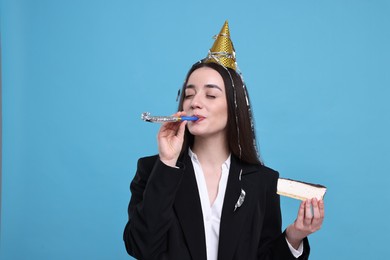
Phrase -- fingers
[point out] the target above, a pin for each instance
(170, 140)
(316, 210)
(182, 127)
(321, 206)
(308, 213)
(310, 217)
(181, 113)
(319, 212)
(314, 214)
(301, 212)
(172, 128)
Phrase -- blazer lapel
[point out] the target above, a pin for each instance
(231, 219)
(189, 211)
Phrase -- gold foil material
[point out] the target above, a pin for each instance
(222, 51)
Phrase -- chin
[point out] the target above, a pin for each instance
(198, 131)
(195, 132)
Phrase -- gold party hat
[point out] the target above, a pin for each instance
(222, 51)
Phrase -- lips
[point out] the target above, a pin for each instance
(200, 118)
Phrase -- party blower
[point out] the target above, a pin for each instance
(165, 119)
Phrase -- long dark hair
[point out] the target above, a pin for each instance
(242, 144)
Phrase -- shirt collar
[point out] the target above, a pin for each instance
(195, 159)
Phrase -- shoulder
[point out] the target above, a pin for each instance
(148, 160)
(268, 172)
(146, 164)
(269, 176)
(260, 170)
(261, 175)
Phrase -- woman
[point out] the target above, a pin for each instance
(206, 195)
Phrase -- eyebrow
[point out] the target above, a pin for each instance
(206, 86)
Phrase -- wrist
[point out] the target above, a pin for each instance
(292, 237)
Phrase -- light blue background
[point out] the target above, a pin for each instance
(78, 74)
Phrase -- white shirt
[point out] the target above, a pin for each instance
(212, 213)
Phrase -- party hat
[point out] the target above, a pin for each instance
(222, 51)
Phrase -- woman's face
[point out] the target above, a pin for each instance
(205, 97)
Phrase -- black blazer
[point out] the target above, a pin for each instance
(166, 222)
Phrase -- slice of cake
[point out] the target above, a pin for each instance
(300, 190)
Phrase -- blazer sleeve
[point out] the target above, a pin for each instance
(273, 244)
(150, 209)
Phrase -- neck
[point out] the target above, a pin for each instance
(211, 150)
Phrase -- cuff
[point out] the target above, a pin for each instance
(296, 252)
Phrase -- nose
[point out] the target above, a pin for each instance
(196, 102)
